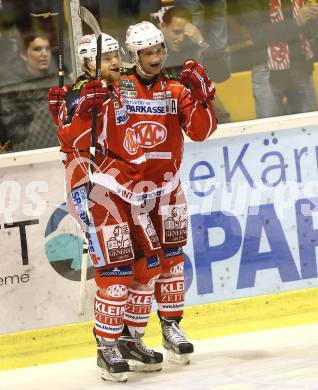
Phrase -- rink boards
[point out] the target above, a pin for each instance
(252, 195)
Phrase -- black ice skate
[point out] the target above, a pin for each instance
(137, 355)
(174, 340)
(113, 366)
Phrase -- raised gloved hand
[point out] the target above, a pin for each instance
(194, 77)
(56, 97)
(92, 95)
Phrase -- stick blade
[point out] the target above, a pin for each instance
(88, 18)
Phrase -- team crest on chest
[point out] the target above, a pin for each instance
(130, 142)
(150, 133)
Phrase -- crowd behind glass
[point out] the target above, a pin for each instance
(274, 40)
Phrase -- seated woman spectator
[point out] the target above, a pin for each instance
(25, 122)
(32, 61)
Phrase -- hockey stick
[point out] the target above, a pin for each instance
(88, 18)
(61, 43)
(75, 33)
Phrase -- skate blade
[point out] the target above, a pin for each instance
(174, 358)
(113, 377)
(136, 366)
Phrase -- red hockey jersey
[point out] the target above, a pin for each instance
(119, 161)
(140, 133)
(160, 112)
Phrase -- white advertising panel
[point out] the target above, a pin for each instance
(253, 206)
(41, 248)
(253, 224)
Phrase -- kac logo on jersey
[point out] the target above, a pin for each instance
(130, 141)
(149, 133)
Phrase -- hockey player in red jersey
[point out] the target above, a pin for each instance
(161, 110)
(119, 165)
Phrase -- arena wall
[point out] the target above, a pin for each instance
(250, 261)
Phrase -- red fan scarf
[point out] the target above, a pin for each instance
(278, 51)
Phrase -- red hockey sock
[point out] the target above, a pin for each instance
(109, 316)
(169, 292)
(137, 310)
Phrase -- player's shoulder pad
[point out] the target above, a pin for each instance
(125, 71)
(79, 83)
(170, 75)
(72, 97)
(75, 90)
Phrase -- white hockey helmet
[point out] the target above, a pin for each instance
(87, 47)
(141, 36)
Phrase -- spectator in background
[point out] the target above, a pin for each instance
(25, 122)
(218, 58)
(33, 60)
(19, 18)
(281, 31)
(210, 17)
(185, 40)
